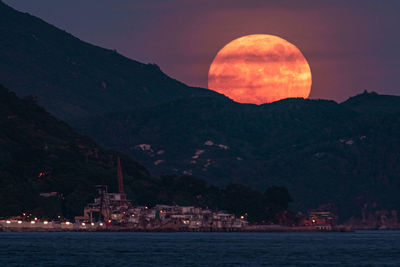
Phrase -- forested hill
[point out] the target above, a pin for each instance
(74, 79)
(41, 154)
(343, 155)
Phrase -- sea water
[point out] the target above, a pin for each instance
(360, 248)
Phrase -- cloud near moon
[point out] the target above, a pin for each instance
(260, 69)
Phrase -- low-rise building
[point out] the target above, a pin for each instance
(108, 208)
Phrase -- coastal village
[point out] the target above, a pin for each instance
(113, 212)
(137, 218)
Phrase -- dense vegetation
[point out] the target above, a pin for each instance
(40, 154)
(241, 200)
(345, 155)
(342, 156)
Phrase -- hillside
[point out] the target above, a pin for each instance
(343, 156)
(325, 153)
(374, 103)
(185, 133)
(73, 79)
(40, 155)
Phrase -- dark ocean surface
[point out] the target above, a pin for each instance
(361, 248)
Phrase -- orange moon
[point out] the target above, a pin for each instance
(260, 69)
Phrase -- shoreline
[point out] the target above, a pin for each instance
(248, 229)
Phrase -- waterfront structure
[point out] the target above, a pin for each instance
(115, 209)
(112, 211)
(107, 206)
(44, 225)
(321, 218)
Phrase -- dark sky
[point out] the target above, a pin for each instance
(350, 45)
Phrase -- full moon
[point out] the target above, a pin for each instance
(260, 69)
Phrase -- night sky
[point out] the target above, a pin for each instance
(350, 45)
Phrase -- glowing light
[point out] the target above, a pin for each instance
(83, 224)
(101, 224)
(33, 222)
(67, 223)
(35, 218)
(259, 69)
(92, 224)
(19, 222)
(242, 217)
(8, 222)
(45, 222)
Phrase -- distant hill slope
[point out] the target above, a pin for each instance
(345, 155)
(48, 170)
(325, 153)
(73, 79)
(374, 103)
(40, 154)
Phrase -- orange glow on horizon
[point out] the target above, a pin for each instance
(260, 69)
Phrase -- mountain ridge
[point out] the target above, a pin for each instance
(49, 170)
(343, 155)
(316, 147)
(74, 79)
